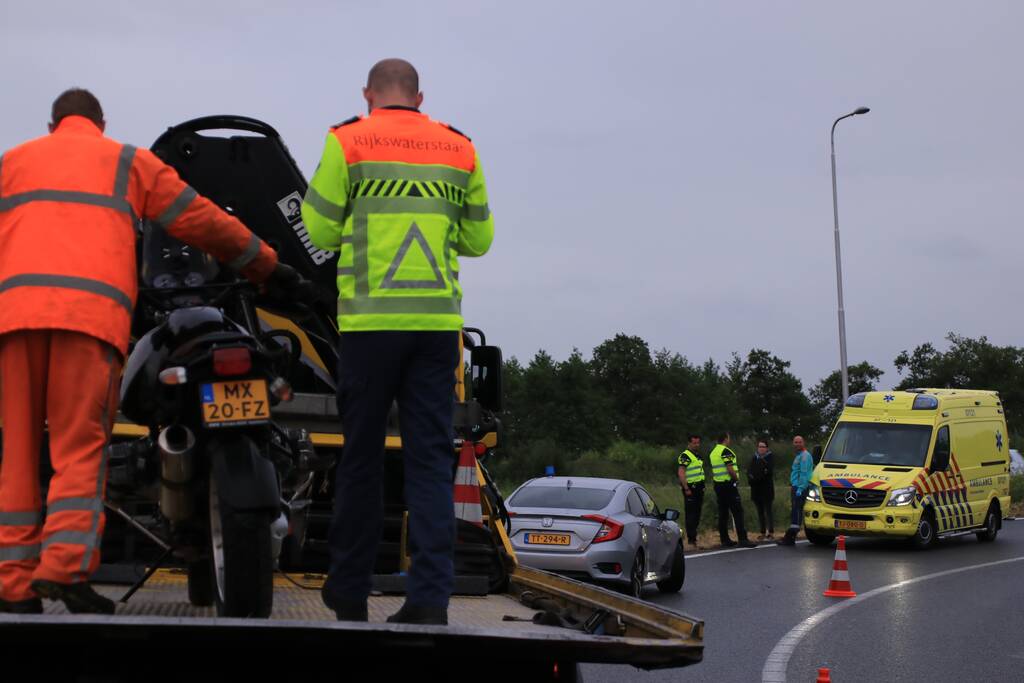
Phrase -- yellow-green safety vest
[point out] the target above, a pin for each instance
(720, 455)
(399, 197)
(694, 467)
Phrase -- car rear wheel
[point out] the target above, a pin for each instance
(991, 528)
(674, 582)
(635, 587)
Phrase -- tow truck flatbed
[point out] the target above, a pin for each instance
(158, 622)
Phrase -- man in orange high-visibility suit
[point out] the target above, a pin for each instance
(69, 203)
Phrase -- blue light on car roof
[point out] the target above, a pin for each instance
(855, 401)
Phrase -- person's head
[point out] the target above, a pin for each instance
(798, 444)
(76, 102)
(392, 82)
(694, 441)
(762, 447)
(724, 438)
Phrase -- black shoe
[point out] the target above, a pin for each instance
(410, 614)
(79, 598)
(746, 543)
(729, 543)
(786, 540)
(345, 610)
(27, 606)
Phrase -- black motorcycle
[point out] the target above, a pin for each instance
(204, 380)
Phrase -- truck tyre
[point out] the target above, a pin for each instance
(200, 583)
(241, 562)
(674, 583)
(819, 539)
(989, 532)
(924, 537)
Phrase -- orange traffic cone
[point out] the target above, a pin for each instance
(467, 487)
(839, 586)
(824, 676)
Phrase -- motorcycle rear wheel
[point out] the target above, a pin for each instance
(241, 560)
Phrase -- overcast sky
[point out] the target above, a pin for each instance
(659, 169)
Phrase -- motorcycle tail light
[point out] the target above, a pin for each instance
(480, 449)
(609, 531)
(233, 361)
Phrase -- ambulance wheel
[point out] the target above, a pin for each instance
(200, 583)
(674, 582)
(991, 528)
(819, 539)
(242, 563)
(924, 537)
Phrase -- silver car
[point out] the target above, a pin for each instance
(603, 530)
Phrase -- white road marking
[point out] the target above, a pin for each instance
(775, 666)
(735, 550)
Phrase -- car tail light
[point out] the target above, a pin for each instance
(609, 531)
(233, 361)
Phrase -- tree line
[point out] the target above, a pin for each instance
(625, 391)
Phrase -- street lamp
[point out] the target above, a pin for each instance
(839, 266)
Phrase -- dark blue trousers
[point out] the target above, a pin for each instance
(418, 370)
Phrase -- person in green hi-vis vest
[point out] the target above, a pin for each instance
(726, 475)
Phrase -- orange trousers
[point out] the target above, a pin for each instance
(66, 381)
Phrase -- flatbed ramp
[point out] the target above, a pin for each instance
(497, 632)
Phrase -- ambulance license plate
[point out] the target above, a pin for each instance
(850, 524)
(548, 539)
(241, 402)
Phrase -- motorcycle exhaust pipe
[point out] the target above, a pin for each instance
(176, 444)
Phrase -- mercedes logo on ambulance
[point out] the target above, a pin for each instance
(850, 497)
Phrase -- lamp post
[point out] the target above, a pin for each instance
(839, 265)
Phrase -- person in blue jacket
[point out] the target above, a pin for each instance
(799, 480)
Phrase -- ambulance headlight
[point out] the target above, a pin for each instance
(813, 493)
(902, 496)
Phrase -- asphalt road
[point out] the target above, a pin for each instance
(959, 625)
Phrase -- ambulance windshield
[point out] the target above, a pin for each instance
(867, 443)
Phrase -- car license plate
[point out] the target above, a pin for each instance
(850, 524)
(239, 402)
(548, 539)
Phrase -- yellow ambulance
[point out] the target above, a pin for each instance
(917, 464)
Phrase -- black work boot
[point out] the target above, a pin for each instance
(79, 598)
(747, 543)
(411, 614)
(26, 606)
(788, 539)
(728, 543)
(345, 610)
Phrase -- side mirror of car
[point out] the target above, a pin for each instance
(671, 515)
(940, 461)
(485, 366)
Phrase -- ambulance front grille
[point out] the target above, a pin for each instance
(864, 498)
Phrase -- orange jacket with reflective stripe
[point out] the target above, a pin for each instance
(69, 202)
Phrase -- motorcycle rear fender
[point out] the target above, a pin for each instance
(246, 480)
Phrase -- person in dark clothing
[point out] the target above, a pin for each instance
(726, 476)
(691, 481)
(761, 475)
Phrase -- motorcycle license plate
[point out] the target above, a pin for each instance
(239, 402)
(548, 539)
(850, 524)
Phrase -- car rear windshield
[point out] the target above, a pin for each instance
(869, 443)
(559, 497)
